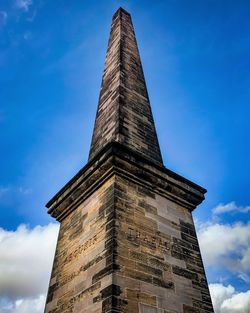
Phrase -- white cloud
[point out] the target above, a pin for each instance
(34, 305)
(23, 4)
(26, 257)
(227, 246)
(227, 300)
(219, 294)
(230, 207)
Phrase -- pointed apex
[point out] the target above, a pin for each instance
(124, 114)
(119, 11)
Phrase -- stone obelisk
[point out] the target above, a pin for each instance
(127, 241)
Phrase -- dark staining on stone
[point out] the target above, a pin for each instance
(111, 234)
(51, 292)
(106, 207)
(111, 243)
(181, 243)
(159, 264)
(206, 297)
(176, 255)
(111, 290)
(185, 273)
(176, 251)
(138, 275)
(77, 231)
(168, 188)
(200, 284)
(148, 208)
(93, 262)
(135, 296)
(145, 192)
(162, 283)
(111, 224)
(189, 239)
(105, 271)
(183, 250)
(206, 306)
(189, 309)
(148, 269)
(119, 187)
(112, 258)
(139, 256)
(196, 248)
(187, 252)
(195, 268)
(113, 304)
(187, 225)
(147, 276)
(188, 229)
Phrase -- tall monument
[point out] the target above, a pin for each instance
(127, 241)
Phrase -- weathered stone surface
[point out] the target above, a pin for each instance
(124, 114)
(127, 242)
(133, 248)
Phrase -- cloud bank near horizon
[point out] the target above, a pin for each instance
(24, 274)
(26, 257)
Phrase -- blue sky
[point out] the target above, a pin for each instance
(195, 56)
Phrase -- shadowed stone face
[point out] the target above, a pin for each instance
(127, 241)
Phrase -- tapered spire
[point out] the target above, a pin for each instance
(127, 241)
(124, 114)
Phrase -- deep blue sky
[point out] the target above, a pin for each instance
(195, 56)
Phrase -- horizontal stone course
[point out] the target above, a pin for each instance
(185, 273)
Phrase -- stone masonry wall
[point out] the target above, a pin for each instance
(160, 266)
(83, 250)
(127, 249)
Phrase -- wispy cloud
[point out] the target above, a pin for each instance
(27, 35)
(23, 4)
(5, 190)
(3, 18)
(230, 207)
(24, 191)
(227, 300)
